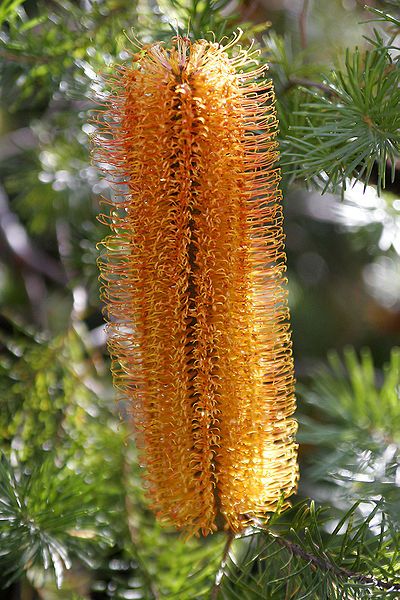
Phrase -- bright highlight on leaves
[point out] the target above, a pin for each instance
(193, 282)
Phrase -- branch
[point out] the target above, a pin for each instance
(16, 142)
(221, 571)
(298, 81)
(24, 58)
(326, 565)
(21, 246)
(303, 24)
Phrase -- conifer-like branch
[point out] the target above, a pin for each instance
(221, 571)
(324, 564)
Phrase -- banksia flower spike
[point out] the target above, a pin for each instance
(193, 283)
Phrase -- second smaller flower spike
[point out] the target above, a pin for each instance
(193, 282)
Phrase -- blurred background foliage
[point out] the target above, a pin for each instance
(73, 518)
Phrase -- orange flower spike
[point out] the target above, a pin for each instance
(193, 284)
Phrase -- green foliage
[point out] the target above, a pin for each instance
(384, 16)
(73, 491)
(351, 126)
(8, 10)
(308, 554)
(47, 517)
(353, 426)
(200, 18)
(47, 398)
(341, 125)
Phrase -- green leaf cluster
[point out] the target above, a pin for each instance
(340, 125)
(351, 427)
(48, 516)
(307, 553)
(351, 126)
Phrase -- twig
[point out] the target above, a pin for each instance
(36, 291)
(79, 293)
(303, 24)
(299, 81)
(21, 246)
(27, 592)
(16, 142)
(97, 337)
(249, 11)
(24, 58)
(325, 565)
(221, 571)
